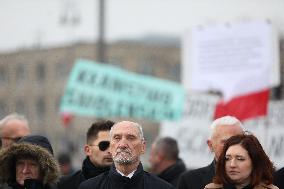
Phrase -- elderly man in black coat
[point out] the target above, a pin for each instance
(221, 129)
(127, 144)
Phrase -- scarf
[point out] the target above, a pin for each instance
(89, 170)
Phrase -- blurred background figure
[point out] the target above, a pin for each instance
(164, 160)
(65, 164)
(12, 128)
(243, 164)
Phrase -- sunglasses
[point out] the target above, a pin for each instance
(103, 145)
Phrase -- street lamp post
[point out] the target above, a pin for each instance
(101, 40)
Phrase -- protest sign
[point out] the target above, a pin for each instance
(102, 90)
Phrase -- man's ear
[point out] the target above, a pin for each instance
(210, 145)
(143, 149)
(87, 150)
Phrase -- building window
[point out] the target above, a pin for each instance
(145, 66)
(40, 72)
(20, 73)
(58, 103)
(3, 74)
(116, 62)
(3, 108)
(20, 107)
(62, 70)
(174, 72)
(40, 107)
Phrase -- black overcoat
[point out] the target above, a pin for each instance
(113, 180)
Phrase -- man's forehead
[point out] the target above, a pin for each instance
(15, 125)
(102, 135)
(125, 129)
(15, 122)
(229, 129)
(224, 136)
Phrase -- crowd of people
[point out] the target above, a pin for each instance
(113, 159)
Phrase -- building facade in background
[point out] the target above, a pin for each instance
(33, 81)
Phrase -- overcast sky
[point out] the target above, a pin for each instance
(25, 23)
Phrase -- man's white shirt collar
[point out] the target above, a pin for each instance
(129, 175)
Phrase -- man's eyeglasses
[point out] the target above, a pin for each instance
(103, 145)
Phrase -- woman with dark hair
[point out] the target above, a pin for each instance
(243, 164)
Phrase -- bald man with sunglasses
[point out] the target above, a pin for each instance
(98, 158)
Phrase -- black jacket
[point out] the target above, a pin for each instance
(33, 184)
(279, 178)
(88, 171)
(172, 174)
(197, 178)
(113, 180)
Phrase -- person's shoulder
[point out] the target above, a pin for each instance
(265, 186)
(70, 177)
(213, 186)
(193, 172)
(279, 172)
(93, 182)
(156, 182)
(5, 186)
(278, 178)
(52, 186)
(71, 181)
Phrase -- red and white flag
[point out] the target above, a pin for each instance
(245, 106)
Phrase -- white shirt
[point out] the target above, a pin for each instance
(129, 175)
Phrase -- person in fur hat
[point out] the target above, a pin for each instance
(28, 164)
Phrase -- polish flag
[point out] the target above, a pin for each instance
(245, 106)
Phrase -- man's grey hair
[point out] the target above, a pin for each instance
(13, 116)
(226, 120)
(168, 146)
(140, 130)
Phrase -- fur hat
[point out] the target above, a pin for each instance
(48, 165)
